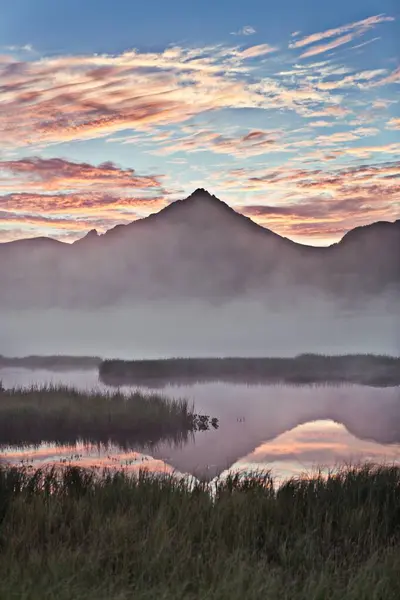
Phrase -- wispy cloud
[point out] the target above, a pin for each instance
(246, 30)
(344, 35)
(320, 48)
(359, 79)
(253, 143)
(321, 199)
(69, 98)
(82, 97)
(51, 174)
(375, 39)
(321, 124)
(393, 77)
(363, 25)
(393, 123)
(74, 196)
(243, 104)
(85, 204)
(259, 50)
(24, 48)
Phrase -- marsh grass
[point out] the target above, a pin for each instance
(365, 369)
(65, 415)
(57, 362)
(73, 535)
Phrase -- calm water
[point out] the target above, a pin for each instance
(290, 430)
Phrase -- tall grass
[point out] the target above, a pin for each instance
(365, 369)
(66, 415)
(76, 536)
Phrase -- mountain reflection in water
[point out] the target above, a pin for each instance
(290, 429)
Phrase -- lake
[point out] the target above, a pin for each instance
(288, 429)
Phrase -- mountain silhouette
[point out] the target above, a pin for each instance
(199, 248)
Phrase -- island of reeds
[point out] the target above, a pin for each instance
(364, 369)
(75, 535)
(50, 363)
(65, 415)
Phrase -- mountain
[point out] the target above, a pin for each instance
(194, 248)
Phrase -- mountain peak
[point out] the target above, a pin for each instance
(92, 234)
(201, 192)
(202, 197)
(379, 228)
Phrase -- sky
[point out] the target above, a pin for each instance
(288, 111)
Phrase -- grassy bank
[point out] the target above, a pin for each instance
(51, 363)
(304, 369)
(65, 415)
(76, 537)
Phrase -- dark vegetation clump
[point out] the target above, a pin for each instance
(80, 535)
(366, 369)
(51, 363)
(65, 415)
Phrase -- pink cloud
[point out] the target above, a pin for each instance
(66, 98)
(356, 28)
(77, 203)
(74, 196)
(320, 48)
(254, 143)
(259, 50)
(393, 123)
(393, 77)
(317, 202)
(56, 173)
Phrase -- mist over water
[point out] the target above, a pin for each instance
(276, 326)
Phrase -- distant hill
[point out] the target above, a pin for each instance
(194, 248)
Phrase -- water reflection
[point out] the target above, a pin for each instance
(288, 429)
(315, 445)
(97, 456)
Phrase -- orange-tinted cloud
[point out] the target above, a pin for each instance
(320, 48)
(56, 222)
(77, 203)
(74, 196)
(316, 202)
(321, 124)
(259, 142)
(393, 77)
(393, 123)
(53, 174)
(328, 111)
(254, 143)
(259, 50)
(66, 98)
(356, 79)
(78, 97)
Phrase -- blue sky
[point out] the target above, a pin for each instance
(288, 111)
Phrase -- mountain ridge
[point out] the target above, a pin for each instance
(196, 248)
(200, 194)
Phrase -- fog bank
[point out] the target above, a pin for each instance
(195, 329)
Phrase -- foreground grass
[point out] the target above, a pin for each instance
(364, 369)
(65, 415)
(75, 536)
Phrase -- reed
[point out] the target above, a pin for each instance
(303, 369)
(65, 415)
(74, 535)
